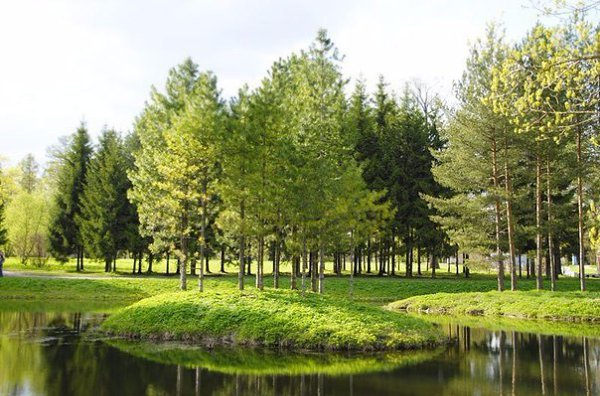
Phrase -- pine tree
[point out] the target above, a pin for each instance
(71, 166)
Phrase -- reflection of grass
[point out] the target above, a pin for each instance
(267, 362)
(272, 318)
(523, 326)
(561, 306)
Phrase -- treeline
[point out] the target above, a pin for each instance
(298, 170)
(293, 170)
(521, 160)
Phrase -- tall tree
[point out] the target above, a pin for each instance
(28, 177)
(174, 163)
(70, 165)
(105, 209)
(471, 165)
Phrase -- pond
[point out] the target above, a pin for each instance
(60, 354)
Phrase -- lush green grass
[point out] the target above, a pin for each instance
(562, 306)
(46, 289)
(251, 361)
(373, 289)
(274, 318)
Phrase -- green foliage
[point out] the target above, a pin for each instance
(175, 162)
(70, 166)
(105, 211)
(27, 217)
(271, 318)
(561, 306)
(3, 230)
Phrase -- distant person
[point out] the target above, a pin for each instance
(2, 259)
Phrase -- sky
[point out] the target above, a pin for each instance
(62, 62)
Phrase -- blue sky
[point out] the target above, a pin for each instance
(64, 61)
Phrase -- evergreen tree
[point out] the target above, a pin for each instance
(28, 177)
(71, 167)
(105, 210)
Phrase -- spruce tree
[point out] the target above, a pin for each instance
(70, 165)
(105, 210)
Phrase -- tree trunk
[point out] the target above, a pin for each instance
(495, 178)
(150, 262)
(183, 259)
(223, 259)
(351, 286)
(509, 222)
(580, 212)
(393, 253)
(260, 263)
(276, 261)
(193, 267)
(369, 253)
(304, 264)
(203, 236)
(419, 260)
(538, 219)
(294, 273)
(242, 251)
(313, 271)
(457, 262)
(550, 220)
(321, 270)
(168, 258)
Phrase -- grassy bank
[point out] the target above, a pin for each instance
(271, 318)
(560, 306)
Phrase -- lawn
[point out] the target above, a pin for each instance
(546, 305)
(273, 318)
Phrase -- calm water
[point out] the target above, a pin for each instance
(57, 354)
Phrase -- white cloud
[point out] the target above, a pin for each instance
(62, 61)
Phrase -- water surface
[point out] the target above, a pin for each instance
(60, 354)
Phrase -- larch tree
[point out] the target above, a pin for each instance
(172, 167)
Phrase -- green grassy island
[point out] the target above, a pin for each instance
(545, 305)
(273, 318)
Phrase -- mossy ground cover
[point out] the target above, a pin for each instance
(272, 318)
(546, 305)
